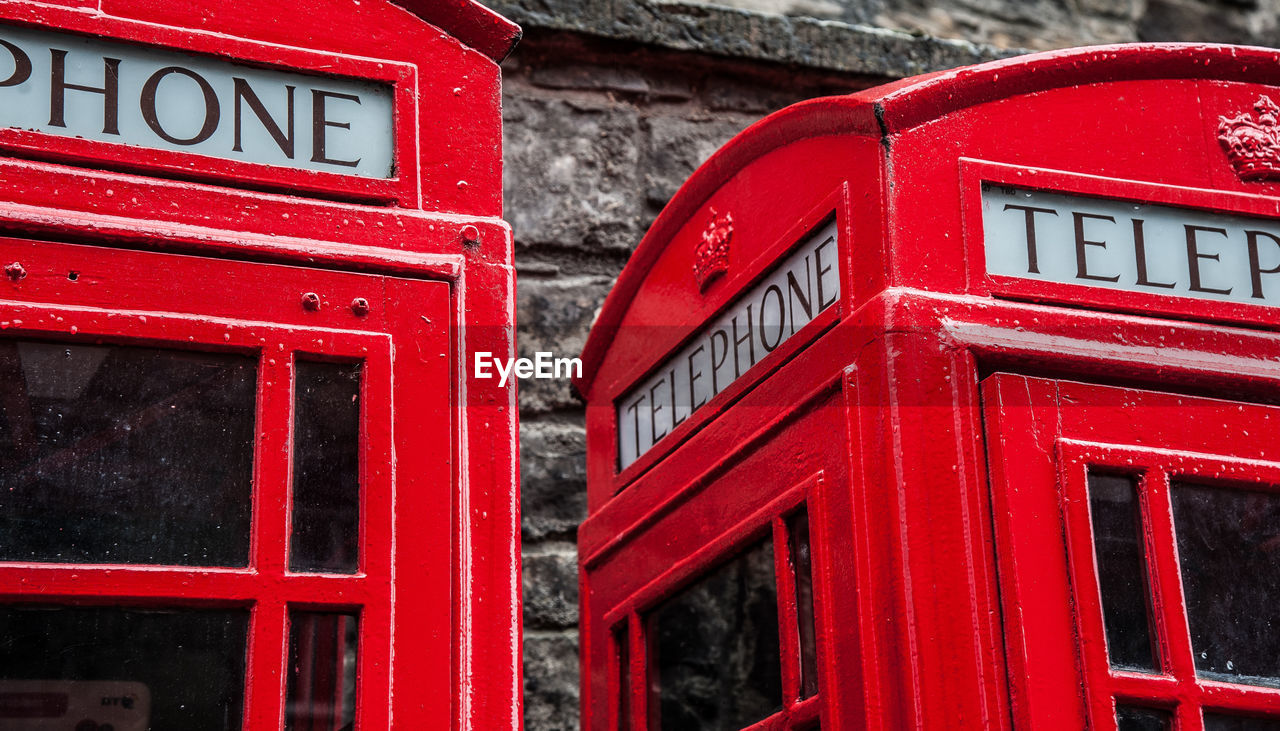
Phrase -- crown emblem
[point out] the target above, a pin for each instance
(1253, 145)
(711, 257)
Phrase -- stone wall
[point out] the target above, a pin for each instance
(610, 104)
(1034, 24)
(1044, 24)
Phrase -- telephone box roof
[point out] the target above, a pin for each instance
(470, 22)
(886, 110)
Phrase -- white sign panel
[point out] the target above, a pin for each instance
(77, 86)
(788, 298)
(1129, 246)
(64, 705)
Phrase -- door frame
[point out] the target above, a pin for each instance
(119, 297)
(921, 489)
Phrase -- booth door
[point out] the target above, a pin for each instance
(195, 491)
(1138, 540)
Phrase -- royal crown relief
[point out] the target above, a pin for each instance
(711, 255)
(1253, 145)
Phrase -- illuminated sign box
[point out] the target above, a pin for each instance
(1138, 247)
(789, 296)
(75, 86)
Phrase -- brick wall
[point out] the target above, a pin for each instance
(610, 104)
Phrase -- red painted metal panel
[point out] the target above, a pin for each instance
(943, 533)
(126, 244)
(443, 91)
(1034, 111)
(1156, 436)
(470, 22)
(161, 289)
(671, 536)
(401, 189)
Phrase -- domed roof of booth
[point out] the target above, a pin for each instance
(470, 22)
(885, 110)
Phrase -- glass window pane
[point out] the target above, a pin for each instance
(1222, 722)
(322, 672)
(1229, 556)
(1136, 718)
(183, 669)
(326, 468)
(802, 562)
(122, 454)
(1122, 574)
(716, 662)
(623, 648)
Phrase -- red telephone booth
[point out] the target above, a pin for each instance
(245, 480)
(952, 404)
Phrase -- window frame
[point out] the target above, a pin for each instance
(265, 586)
(1175, 686)
(1042, 434)
(630, 618)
